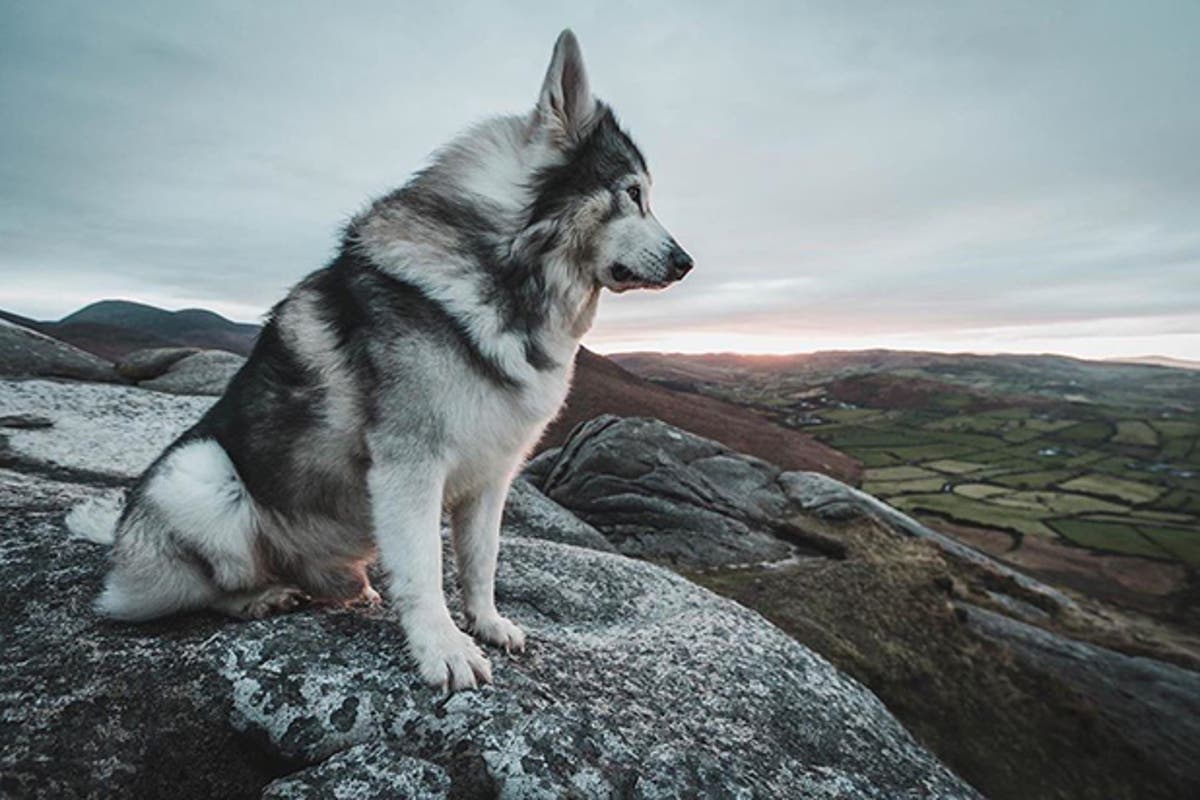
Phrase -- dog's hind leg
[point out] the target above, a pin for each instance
(187, 540)
(259, 603)
(339, 585)
(148, 582)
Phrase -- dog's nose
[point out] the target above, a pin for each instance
(681, 263)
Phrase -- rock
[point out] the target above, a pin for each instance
(206, 372)
(657, 492)
(1156, 705)
(888, 612)
(530, 513)
(25, 422)
(600, 386)
(540, 465)
(636, 683)
(26, 353)
(377, 771)
(107, 433)
(151, 362)
(630, 685)
(834, 500)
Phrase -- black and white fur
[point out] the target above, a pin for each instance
(412, 374)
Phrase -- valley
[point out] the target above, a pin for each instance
(1032, 458)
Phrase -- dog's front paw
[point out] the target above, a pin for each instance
(499, 631)
(448, 658)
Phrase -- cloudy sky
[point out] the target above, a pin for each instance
(951, 175)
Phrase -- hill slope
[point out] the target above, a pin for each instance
(603, 387)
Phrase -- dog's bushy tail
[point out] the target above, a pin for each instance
(95, 520)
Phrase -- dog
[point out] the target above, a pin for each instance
(410, 376)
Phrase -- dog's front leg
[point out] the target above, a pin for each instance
(476, 530)
(406, 502)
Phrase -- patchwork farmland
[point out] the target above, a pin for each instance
(1068, 473)
(1044, 460)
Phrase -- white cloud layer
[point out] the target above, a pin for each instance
(955, 175)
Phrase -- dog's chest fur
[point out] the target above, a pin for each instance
(492, 428)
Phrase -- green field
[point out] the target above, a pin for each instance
(1103, 484)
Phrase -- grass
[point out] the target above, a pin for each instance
(976, 512)
(1180, 500)
(953, 467)
(1176, 429)
(1089, 432)
(1115, 537)
(1179, 450)
(1183, 543)
(1135, 432)
(979, 491)
(931, 452)
(877, 458)
(1031, 480)
(888, 489)
(1112, 486)
(899, 473)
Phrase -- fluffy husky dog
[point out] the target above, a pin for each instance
(412, 374)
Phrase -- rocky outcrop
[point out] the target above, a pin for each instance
(660, 493)
(28, 353)
(926, 621)
(206, 372)
(630, 685)
(636, 682)
(151, 362)
(99, 432)
(530, 513)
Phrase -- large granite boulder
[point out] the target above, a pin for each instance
(27, 353)
(636, 683)
(206, 372)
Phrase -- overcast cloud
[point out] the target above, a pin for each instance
(989, 176)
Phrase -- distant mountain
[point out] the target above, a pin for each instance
(113, 328)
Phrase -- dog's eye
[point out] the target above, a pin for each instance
(635, 194)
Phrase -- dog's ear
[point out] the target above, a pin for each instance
(566, 105)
